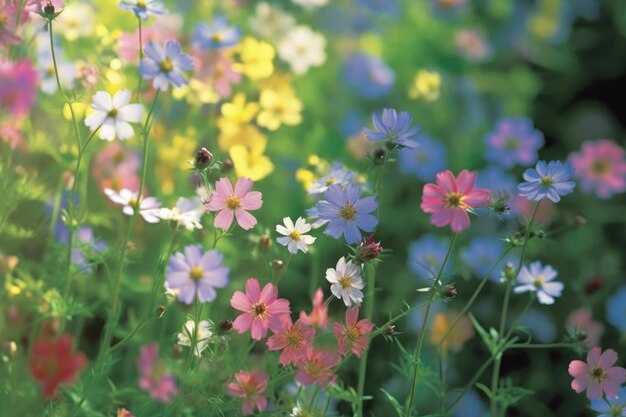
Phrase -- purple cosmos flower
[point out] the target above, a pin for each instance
(369, 75)
(616, 309)
(143, 8)
(393, 128)
(482, 253)
(513, 141)
(87, 245)
(337, 175)
(347, 212)
(547, 179)
(539, 279)
(426, 160)
(196, 274)
(426, 256)
(165, 64)
(218, 35)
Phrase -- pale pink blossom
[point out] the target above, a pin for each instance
(153, 377)
(319, 315)
(601, 168)
(354, 334)
(582, 319)
(597, 375)
(315, 366)
(234, 204)
(291, 339)
(250, 386)
(215, 69)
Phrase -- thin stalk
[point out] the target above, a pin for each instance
(369, 312)
(140, 58)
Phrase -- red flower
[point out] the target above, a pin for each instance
(54, 363)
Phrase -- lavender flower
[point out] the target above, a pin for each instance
(217, 35)
(426, 160)
(513, 141)
(393, 128)
(143, 8)
(196, 274)
(347, 212)
(547, 180)
(337, 175)
(539, 279)
(369, 75)
(165, 64)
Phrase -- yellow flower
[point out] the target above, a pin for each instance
(317, 167)
(77, 20)
(246, 135)
(79, 110)
(426, 85)
(173, 158)
(461, 333)
(236, 114)
(305, 177)
(250, 161)
(256, 59)
(196, 93)
(279, 109)
(280, 83)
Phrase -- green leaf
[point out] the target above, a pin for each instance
(396, 405)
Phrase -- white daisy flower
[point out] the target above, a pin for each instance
(149, 208)
(539, 279)
(114, 115)
(270, 22)
(202, 335)
(346, 282)
(187, 212)
(294, 235)
(302, 48)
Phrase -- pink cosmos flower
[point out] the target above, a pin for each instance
(582, 319)
(116, 167)
(262, 310)
(598, 375)
(153, 377)
(451, 198)
(215, 69)
(234, 203)
(250, 386)
(291, 339)
(34, 7)
(353, 335)
(315, 366)
(319, 315)
(18, 86)
(11, 133)
(601, 167)
(128, 43)
(8, 22)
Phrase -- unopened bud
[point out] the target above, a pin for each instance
(227, 165)
(159, 311)
(9, 348)
(379, 156)
(278, 264)
(389, 330)
(369, 249)
(581, 335)
(265, 242)
(450, 292)
(203, 158)
(225, 326)
(594, 285)
(177, 351)
(579, 221)
(509, 271)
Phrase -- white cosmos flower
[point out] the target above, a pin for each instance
(114, 115)
(149, 208)
(302, 48)
(202, 336)
(539, 279)
(187, 212)
(294, 236)
(270, 22)
(310, 3)
(346, 282)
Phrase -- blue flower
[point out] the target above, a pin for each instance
(337, 175)
(389, 7)
(369, 75)
(513, 141)
(539, 279)
(143, 8)
(540, 325)
(616, 309)
(393, 128)
(611, 407)
(426, 160)
(217, 35)
(482, 253)
(547, 180)
(426, 256)
(496, 179)
(165, 64)
(347, 212)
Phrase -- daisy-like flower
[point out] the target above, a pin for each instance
(337, 175)
(346, 282)
(53, 363)
(294, 236)
(143, 8)
(114, 115)
(302, 49)
(347, 212)
(262, 310)
(513, 141)
(218, 35)
(149, 208)
(201, 335)
(234, 203)
(187, 213)
(597, 375)
(291, 339)
(539, 279)
(451, 198)
(319, 315)
(601, 167)
(611, 406)
(353, 334)
(153, 377)
(547, 179)
(315, 366)
(394, 128)
(195, 274)
(250, 386)
(270, 21)
(165, 64)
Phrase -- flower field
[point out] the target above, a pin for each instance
(312, 208)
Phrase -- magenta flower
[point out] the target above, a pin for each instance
(353, 335)
(601, 167)
(9, 12)
(250, 386)
(451, 198)
(291, 339)
(315, 366)
(234, 203)
(153, 377)
(18, 87)
(262, 310)
(598, 375)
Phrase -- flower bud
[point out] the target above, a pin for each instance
(389, 330)
(368, 250)
(225, 326)
(509, 273)
(277, 264)
(579, 221)
(379, 156)
(227, 165)
(9, 348)
(203, 158)
(594, 285)
(177, 351)
(449, 292)
(265, 242)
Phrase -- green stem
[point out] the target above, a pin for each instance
(369, 312)
(420, 340)
(140, 58)
(541, 346)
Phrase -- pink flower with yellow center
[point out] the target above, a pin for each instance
(597, 375)
(315, 366)
(262, 310)
(353, 335)
(601, 167)
(451, 198)
(250, 386)
(319, 315)
(234, 204)
(292, 339)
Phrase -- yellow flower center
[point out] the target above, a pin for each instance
(547, 181)
(352, 334)
(260, 310)
(348, 212)
(217, 37)
(294, 337)
(141, 4)
(511, 144)
(345, 282)
(133, 202)
(600, 167)
(313, 368)
(538, 282)
(166, 65)
(295, 235)
(455, 200)
(3, 20)
(196, 273)
(330, 181)
(597, 374)
(233, 203)
(113, 113)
